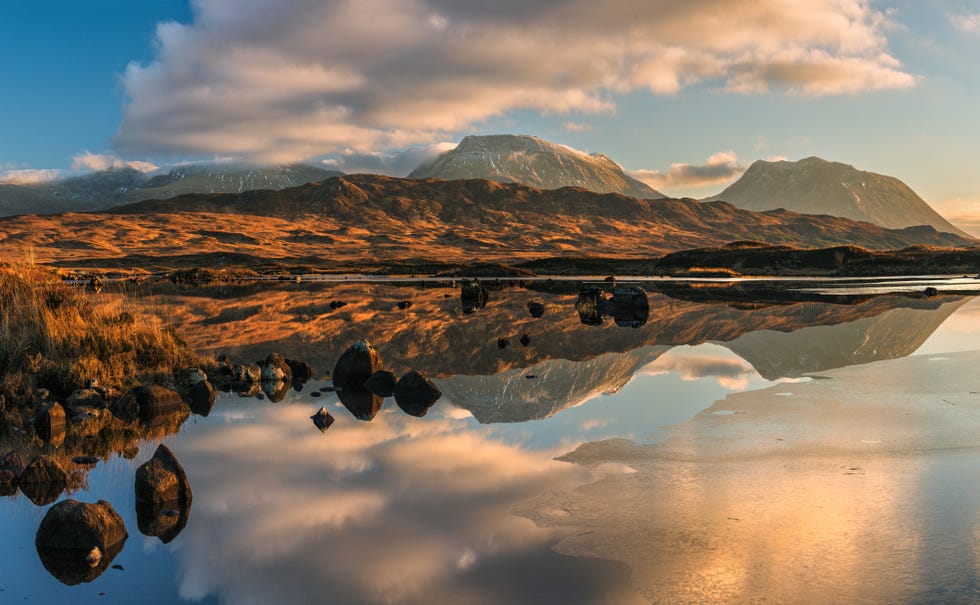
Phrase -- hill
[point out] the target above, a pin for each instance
(346, 221)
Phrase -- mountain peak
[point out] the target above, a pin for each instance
(814, 185)
(529, 160)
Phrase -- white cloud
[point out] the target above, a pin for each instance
(283, 80)
(398, 163)
(577, 126)
(98, 161)
(29, 176)
(966, 23)
(721, 167)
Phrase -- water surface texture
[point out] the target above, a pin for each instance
(736, 444)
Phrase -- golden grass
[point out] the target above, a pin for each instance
(58, 336)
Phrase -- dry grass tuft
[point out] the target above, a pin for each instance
(57, 336)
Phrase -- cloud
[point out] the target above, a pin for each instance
(962, 212)
(577, 127)
(721, 167)
(966, 23)
(731, 372)
(398, 163)
(29, 176)
(97, 162)
(284, 80)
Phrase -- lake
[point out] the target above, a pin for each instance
(738, 442)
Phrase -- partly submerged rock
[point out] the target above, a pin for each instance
(415, 393)
(8, 483)
(160, 521)
(302, 371)
(590, 305)
(473, 296)
(275, 391)
(77, 541)
(161, 481)
(275, 369)
(361, 403)
(82, 400)
(356, 365)
(381, 383)
(50, 424)
(148, 403)
(629, 307)
(43, 480)
(322, 419)
(200, 397)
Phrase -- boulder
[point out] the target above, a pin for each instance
(590, 305)
(336, 304)
(14, 461)
(275, 391)
(322, 419)
(161, 521)
(247, 373)
(502, 343)
(84, 399)
(302, 371)
(473, 296)
(200, 397)
(629, 307)
(43, 480)
(415, 393)
(161, 481)
(356, 365)
(931, 291)
(275, 369)
(77, 541)
(404, 304)
(381, 383)
(525, 340)
(49, 424)
(362, 404)
(148, 403)
(536, 309)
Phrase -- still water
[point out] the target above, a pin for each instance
(739, 445)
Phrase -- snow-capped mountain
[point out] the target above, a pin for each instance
(107, 188)
(816, 186)
(534, 162)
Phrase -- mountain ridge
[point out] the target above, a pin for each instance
(813, 185)
(532, 161)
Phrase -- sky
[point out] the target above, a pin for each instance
(684, 95)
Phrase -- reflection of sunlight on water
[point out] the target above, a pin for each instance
(960, 332)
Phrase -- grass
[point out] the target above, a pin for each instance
(58, 336)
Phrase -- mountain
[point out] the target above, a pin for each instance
(107, 188)
(534, 162)
(357, 219)
(816, 186)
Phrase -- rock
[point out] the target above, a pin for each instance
(404, 304)
(381, 383)
(336, 304)
(536, 309)
(275, 369)
(473, 296)
(629, 307)
(415, 393)
(302, 371)
(356, 365)
(162, 481)
(590, 305)
(362, 404)
(502, 343)
(190, 377)
(14, 461)
(85, 460)
(77, 541)
(931, 291)
(148, 403)
(43, 480)
(84, 399)
(247, 373)
(525, 340)
(49, 424)
(322, 419)
(160, 521)
(200, 397)
(275, 391)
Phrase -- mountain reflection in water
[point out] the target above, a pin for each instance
(404, 509)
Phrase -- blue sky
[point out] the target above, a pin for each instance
(684, 94)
